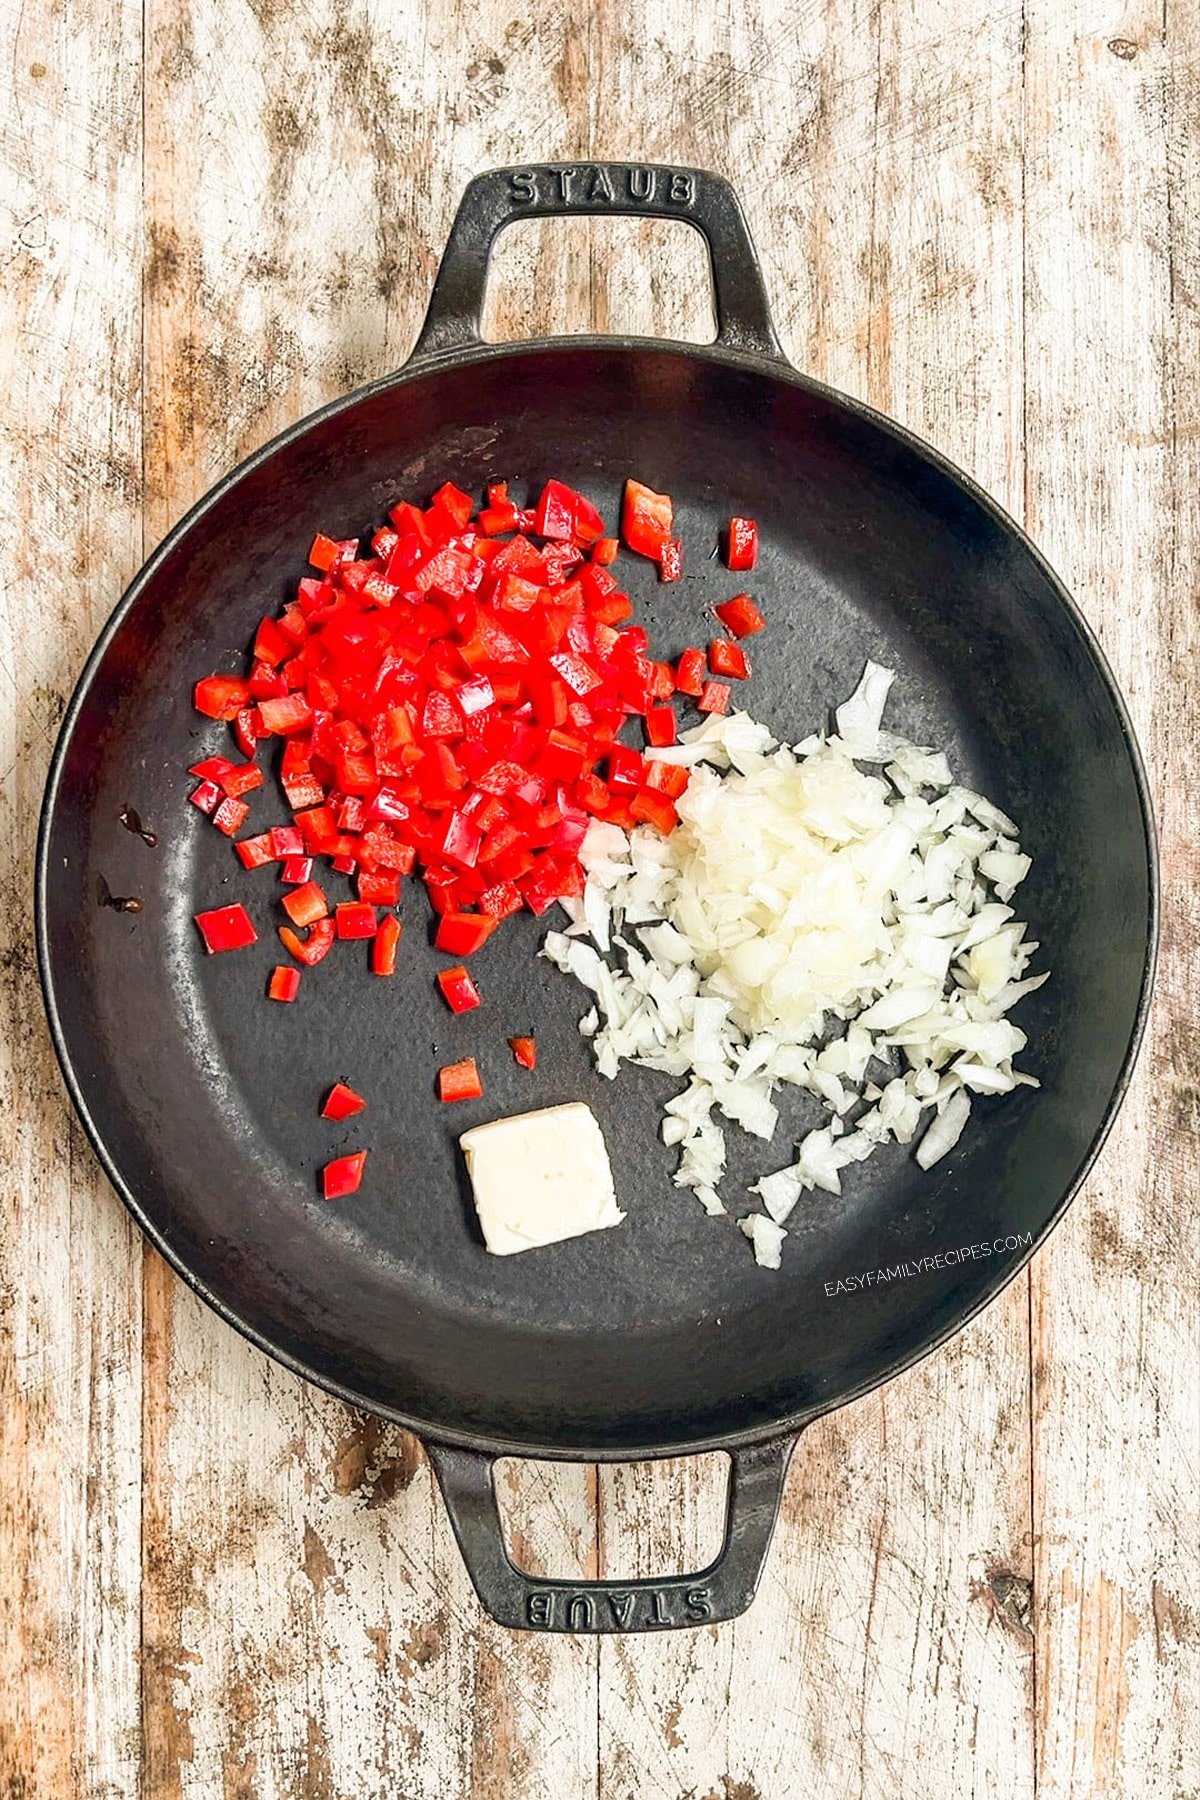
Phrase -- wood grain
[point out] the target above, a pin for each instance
(70, 364)
(215, 1581)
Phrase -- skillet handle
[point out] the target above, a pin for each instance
(525, 1602)
(554, 190)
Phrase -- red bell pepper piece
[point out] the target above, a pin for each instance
(343, 1175)
(714, 698)
(306, 904)
(524, 1051)
(604, 550)
(741, 616)
(230, 816)
(728, 660)
(460, 506)
(500, 900)
(286, 840)
(661, 728)
(356, 919)
(384, 946)
(255, 852)
(221, 696)
(460, 1081)
(742, 546)
(312, 949)
(458, 990)
(296, 870)
(239, 779)
(462, 933)
(646, 519)
(226, 928)
(667, 778)
(650, 807)
(341, 1102)
(207, 796)
(381, 887)
(670, 560)
(284, 983)
(291, 713)
(210, 768)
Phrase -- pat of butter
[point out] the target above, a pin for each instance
(540, 1177)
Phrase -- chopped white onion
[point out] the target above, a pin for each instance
(807, 920)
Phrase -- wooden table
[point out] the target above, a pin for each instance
(983, 217)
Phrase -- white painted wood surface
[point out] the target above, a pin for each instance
(984, 219)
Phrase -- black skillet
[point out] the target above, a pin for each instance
(661, 1337)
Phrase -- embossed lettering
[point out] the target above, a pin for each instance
(621, 1606)
(657, 1615)
(682, 189)
(641, 184)
(580, 1613)
(565, 178)
(697, 1602)
(600, 187)
(522, 187)
(539, 1610)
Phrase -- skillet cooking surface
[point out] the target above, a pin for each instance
(202, 1097)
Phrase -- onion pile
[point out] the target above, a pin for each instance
(812, 923)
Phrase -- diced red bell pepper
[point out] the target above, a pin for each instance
(384, 946)
(670, 560)
(728, 660)
(246, 731)
(221, 696)
(667, 778)
(661, 728)
(460, 506)
(255, 852)
(312, 949)
(206, 796)
(230, 816)
(714, 697)
(741, 616)
(329, 553)
(226, 928)
(460, 1081)
(284, 983)
(742, 545)
(270, 644)
(625, 766)
(646, 519)
(524, 1051)
(380, 887)
(286, 840)
(343, 1175)
(341, 1102)
(296, 870)
(211, 768)
(281, 717)
(649, 807)
(604, 550)
(463, 933)
(240, 778)
(689, 673)
(458, 990)
(356, 919)
(306, 904)
(500, 900)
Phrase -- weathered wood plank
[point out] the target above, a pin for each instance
(886, 1652)
(310, 1629)
(1113, 241)
(70, 452)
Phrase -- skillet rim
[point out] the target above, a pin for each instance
(771, 367)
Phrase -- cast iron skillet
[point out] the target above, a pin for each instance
(663, 1336)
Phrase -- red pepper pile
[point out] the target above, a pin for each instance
(449, 702)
